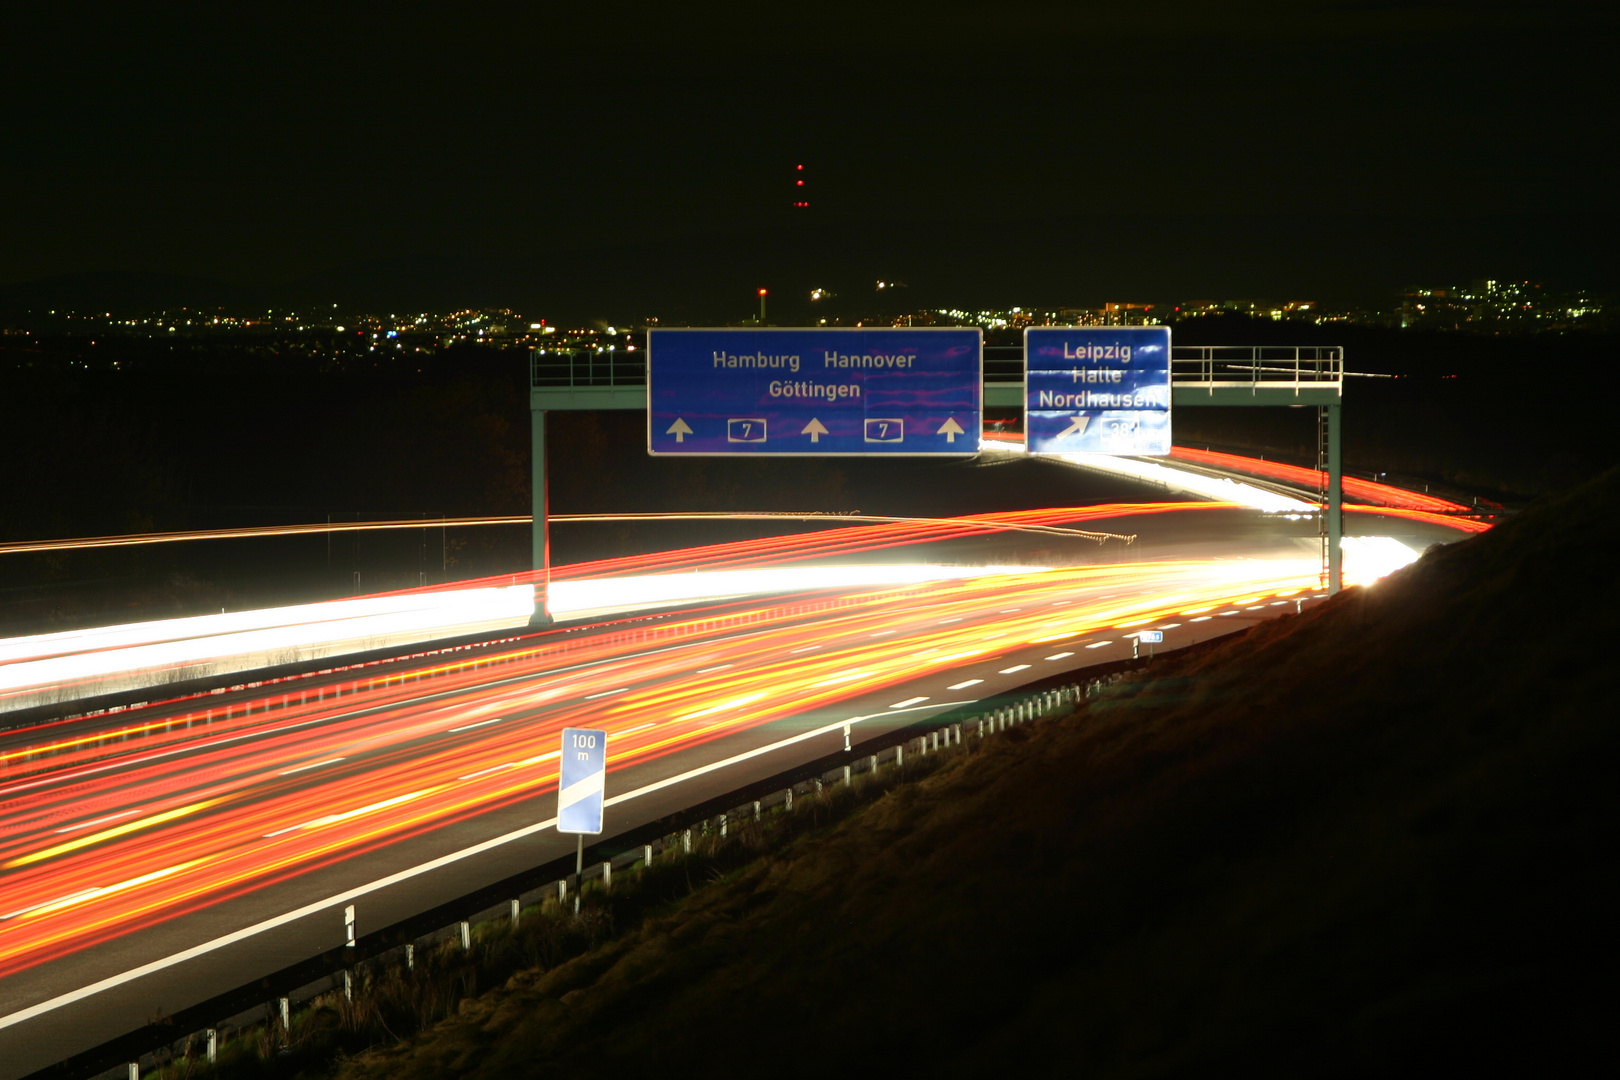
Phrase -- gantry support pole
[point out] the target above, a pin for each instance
(1335, 492)
(540, 531)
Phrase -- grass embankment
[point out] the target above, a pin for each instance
(1375, 838)
(391, 997)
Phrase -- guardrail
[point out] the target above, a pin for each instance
(278, 996)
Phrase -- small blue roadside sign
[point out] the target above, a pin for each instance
(1152, 637)
(583, 782)
(1097, 390)
(819, 392)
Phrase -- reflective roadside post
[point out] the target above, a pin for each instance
(581, 787)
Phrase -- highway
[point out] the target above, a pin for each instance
(156, 857)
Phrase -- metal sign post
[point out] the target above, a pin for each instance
(1097, 390)
(1152, 638)
(581, 787)
(822, 393)
(540, 531)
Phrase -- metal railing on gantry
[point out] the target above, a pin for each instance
(1206, 367)
(1225, 368)
(587, 367)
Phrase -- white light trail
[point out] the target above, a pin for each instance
(652, 590)
(1217, 489)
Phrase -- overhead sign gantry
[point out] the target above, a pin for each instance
(1288, 376)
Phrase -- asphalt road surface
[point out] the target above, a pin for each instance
(158, 857)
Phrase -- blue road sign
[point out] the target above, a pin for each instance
(1097, 390)
(1152, 637)
(898, 391)
(583, 782)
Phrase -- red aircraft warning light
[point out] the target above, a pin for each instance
(798, 183)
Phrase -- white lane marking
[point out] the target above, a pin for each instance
(63, 901)
(1009, 610)
(162, 964)
(359, 811)
(965, 685)
(481, 723)
(1257, 607)
(1202, 618)
(1015, 667)
(1278, 603)
(910, 701)
(606, 693)
(311, 765)
(1098, 644)
(1234, 611)
(1169, 626)
(98, 821)
(101, 890)
(486, 772)
(883, 633)
(807, 648)
(942, 622)
(1061, 603)
(1059, 656)
(719, 667)
(639, 727)
(845, 677)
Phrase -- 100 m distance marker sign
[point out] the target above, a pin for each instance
(814, 392)
(582, 783)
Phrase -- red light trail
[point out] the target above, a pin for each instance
(109, 834)
(1312, 480)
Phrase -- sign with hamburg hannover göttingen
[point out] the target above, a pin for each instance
(583, 781)
(1097, 390)
(821, 392)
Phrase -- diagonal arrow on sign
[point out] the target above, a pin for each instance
(950, 429)
(815, 429)
(1077, 426)
(679, 429)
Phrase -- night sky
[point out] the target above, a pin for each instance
(983, 153)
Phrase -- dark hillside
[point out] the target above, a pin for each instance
(1375, 839)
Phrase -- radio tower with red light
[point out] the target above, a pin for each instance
(801, 197)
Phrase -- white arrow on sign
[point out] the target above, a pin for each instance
(1077, 426)
(950, 429)
(815, 429)
(679, 430)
